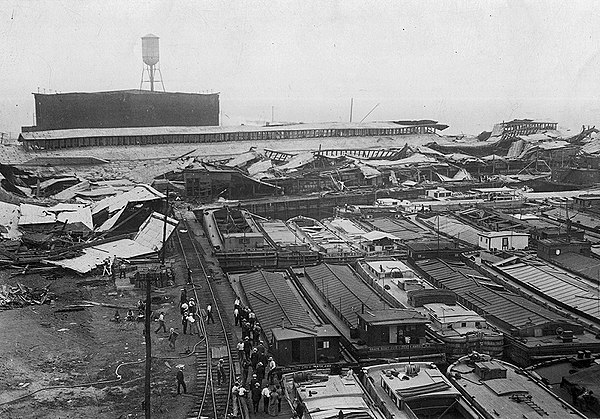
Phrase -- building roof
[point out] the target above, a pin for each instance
(346, 226)
(452, 227)
(393, 316)
(429, 381)
(319, 235)
(584, 265)
(345, 290)
(298, 332)
(588, 378)
(324, 399)
(501, 233)
(511, 309)
(405, 230)
(378, 235)
(279, 233)
(272, 299)
(190, 130)
(492, 190)
(452, 313)
(388, 265)
(494, 395)
(554, 283)
(576, 217)
(434, 245)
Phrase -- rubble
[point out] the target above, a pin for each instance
(21, 296)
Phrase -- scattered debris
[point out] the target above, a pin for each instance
(21, 296)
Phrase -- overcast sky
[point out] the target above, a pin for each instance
(465, 63)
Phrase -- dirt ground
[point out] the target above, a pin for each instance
(64, 364)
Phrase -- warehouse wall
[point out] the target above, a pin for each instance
(127, 108)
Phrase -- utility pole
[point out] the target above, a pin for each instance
(164, 247)
(148, 350)
(351, 107)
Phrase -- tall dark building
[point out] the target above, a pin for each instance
(124, 108)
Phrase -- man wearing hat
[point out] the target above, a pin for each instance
(180, 381)
(247, 347)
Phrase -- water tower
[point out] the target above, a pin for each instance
(150, 56)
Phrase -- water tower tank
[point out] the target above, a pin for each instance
(150, 49)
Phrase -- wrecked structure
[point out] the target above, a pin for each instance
(84, 235)
(144, 135)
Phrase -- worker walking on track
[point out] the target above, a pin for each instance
(221, 377)
(243, 398)
(235, 396)
(209, 314)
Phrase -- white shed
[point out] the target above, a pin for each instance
(503, 240)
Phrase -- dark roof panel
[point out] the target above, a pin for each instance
(271, 299)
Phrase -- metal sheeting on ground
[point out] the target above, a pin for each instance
(271, 299)
(344, 290)
(95, 256)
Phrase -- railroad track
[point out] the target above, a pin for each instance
(213, 401)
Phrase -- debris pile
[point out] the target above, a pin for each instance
(20, 296)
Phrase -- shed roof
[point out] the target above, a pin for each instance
(513, 310)
(271, 298)
(454, 228)
(405, 230)
(553, 282)
(378, 235)
(393, 316)
(295, 332)
(344, 290)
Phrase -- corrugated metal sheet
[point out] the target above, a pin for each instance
(140, 193)
(34, 214)
(9, 219)
(95, 256)
(510, 308)
(151, 232)
(344, 290)
(271, 299)
(555, 283)
(73, 213)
